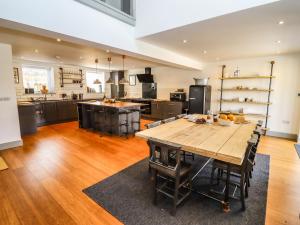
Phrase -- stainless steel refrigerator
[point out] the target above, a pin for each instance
(199, 99)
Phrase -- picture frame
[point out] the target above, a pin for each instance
(132, 80)
(16, 75)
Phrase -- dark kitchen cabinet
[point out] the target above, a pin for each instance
(50, 112)
(166, 109)
(172, 109)
(157, 109)
(27, 119)
(66, 110)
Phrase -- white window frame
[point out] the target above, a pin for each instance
(51, 79)
(102, 79)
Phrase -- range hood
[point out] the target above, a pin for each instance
(147, 77)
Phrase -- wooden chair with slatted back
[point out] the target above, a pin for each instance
(169, 120)
(240, 171)
(163, 165)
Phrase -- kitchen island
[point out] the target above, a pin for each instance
(119, 118)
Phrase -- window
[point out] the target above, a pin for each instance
(95, 82)
(35, 77)
(123, 10)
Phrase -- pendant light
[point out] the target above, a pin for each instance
(109, 80)
(97, 81)
(123, 80)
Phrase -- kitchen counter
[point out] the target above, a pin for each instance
(112, 105)
(120, 118)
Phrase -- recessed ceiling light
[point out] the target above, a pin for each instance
(80, 57)
(61, 62)
(184, 41)
(58, 40)
(217, 58)
(281, 22)
(204, 52)
(36, 50)
(278, 41)
(58, 57)
(107, 51)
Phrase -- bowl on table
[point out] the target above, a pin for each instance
(225, 122)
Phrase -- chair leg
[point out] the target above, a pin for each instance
(246, 187)
(219, 175)
(212, 176)
(193, 155)
(154, 187)
(242, 189)
(175, 197)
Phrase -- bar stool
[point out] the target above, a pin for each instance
(98, 114)
(125, 123)
(136, 122)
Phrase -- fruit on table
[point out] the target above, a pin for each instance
(223, 117)
(231, 117)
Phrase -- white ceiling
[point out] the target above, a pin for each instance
(247, 33)
(64, 53)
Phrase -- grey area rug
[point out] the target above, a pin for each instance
(297, 147)
(128, 196)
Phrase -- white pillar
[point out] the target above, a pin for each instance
(9, 119)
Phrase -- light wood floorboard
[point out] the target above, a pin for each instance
(46, 176)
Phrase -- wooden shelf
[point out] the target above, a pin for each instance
(245, 114)
(245, 89)
(76, 74)
(246, 77)
(257, 103)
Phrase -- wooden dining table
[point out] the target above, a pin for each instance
(225, 143)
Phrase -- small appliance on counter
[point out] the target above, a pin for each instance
(178, 96)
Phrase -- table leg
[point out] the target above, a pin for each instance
(226, 206)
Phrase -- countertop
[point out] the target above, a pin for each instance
(113, 105)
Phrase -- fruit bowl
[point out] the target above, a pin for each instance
(225, 122)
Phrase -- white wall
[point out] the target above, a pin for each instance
(9, 119)
(156, 15)
(285, 110)
(76, 22)
(67, 89)
(168, 80)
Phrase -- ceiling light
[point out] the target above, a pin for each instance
(107, 51)
(204, 52)
(36, 50)
(184, 41)
(80, 57)
(58, 57)
(278, 41)
(217, 58)
(58, 40)
(281, 22)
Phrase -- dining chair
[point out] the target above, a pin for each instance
(169, 120)
(154, 124)
(239, 171)
(149, 126)
(166, 168)
(180, 116)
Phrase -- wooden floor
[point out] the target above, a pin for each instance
(44, 182)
